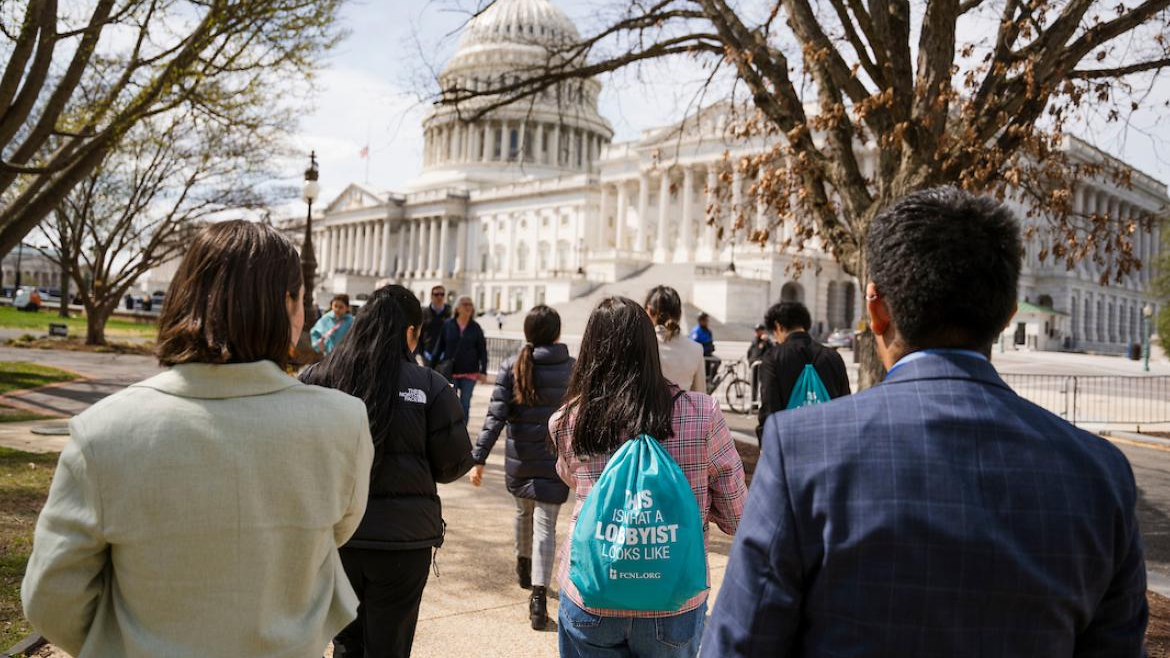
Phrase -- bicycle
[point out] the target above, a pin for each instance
(739, 390)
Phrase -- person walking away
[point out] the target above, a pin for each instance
(202, 509)
(419, 439)
(461, 353)
(782, 366)
(938, 513)
(682, 360)
(702, 335)
(756, 351)
(529, 388)
(333, 326)
(435, 314)
(617, 392)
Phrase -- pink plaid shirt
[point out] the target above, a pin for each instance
(704, 450)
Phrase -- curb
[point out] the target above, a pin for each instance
(25, 646)
(1134, 438)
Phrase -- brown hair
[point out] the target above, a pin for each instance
(542, 326)
(340, 297)
(665, 308)
(227, 302)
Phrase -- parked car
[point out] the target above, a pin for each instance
(840, 338)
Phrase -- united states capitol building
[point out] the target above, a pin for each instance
(535, 203)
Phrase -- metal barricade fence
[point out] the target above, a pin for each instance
(499, 349)
(1098, 399)
(1095, 399)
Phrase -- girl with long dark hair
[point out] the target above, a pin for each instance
(528, 390)
(681, 357)
(617, 392)
(419, 438)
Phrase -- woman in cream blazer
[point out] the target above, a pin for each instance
(198, 513)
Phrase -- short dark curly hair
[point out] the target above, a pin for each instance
(789, 315)
(947, 263)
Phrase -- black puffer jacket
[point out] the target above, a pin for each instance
(427, 443)
(530, 466)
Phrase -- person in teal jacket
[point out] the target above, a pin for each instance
(332, 326)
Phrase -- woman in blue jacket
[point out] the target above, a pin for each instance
(461, 353)
(529, 388)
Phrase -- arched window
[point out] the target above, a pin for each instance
(792, 292)
(1045, 300)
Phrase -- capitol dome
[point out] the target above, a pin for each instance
(557, 131)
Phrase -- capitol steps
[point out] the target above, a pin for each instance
(680, 276)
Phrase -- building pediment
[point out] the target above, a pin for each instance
(355, 197)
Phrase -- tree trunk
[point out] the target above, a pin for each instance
(96, 316)
(63, 311)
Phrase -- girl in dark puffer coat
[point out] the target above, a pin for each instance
(528, 390)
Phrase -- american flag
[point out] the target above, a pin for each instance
(365, 152)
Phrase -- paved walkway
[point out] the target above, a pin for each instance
(473, 606)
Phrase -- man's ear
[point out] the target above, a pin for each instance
(879, 313)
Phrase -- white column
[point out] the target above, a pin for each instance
(540, 156)
(461, 246)
(374, 239)
(400, 265)
(347, 248)
(623, 205)
(321, 242)
(504, 141)
(443, 269)
(708, 247)
(510, 262)
(367, 242)
(643, 210)
(384, 269)
(521, 154)
(335, 246)
(600, 235)
(736, 204)
(416, 237)
(556, 145)
(573, 148)
(432, 246)
(686, 242)
(661, 253)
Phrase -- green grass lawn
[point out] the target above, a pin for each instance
(24, 485)
(16, 375)
(38, 324)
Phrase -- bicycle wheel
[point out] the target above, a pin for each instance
(739, 395)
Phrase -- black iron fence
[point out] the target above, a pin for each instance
(1098, 399)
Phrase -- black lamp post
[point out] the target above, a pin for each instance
(309, 192)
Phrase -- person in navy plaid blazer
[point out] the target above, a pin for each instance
(937, 513)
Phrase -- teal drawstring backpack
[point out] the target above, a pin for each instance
(638, 542)
(809, 389)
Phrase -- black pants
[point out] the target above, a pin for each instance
(389, 586)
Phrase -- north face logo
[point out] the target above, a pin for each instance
(613, 574)
(413, 395)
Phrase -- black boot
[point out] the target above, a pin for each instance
(538, 608)
(524, 572)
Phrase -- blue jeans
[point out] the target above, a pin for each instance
(585, 635)
(465, 386)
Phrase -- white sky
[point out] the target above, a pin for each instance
(368, 92)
